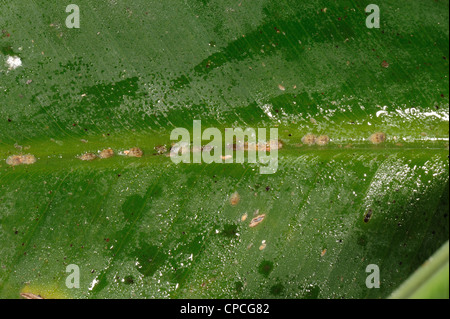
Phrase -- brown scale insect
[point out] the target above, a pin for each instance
(28, 159)
(235, 199)
(106, 153)
(15, 160)
(309, 139)
(274, 145)
(378, 138)
(28, 295)
(88, 157)
(322, 140)
(257, 220)
(161, 149)
(134, 152)
(263, 245)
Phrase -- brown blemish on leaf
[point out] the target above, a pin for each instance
(244, 217)
(309, 139)
(257, 220)
(385, 64)
(378, 138)
(323, 253)
(106, 153)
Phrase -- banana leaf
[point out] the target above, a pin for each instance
(358, 200)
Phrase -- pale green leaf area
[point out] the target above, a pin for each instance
(430, 281)
(148, 228)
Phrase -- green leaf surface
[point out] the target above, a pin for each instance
(149, 228)
(430, 281)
